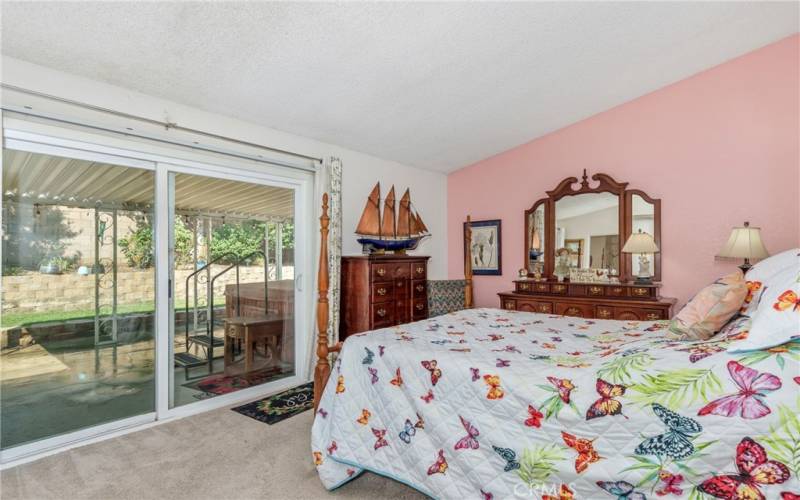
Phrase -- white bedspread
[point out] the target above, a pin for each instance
(488, 403)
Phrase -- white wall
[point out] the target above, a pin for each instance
(361, 171)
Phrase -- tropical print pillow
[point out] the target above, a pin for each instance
(711, 309)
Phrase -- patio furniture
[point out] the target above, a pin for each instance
(250, 330)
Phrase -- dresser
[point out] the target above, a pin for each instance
(624, 301)
(382, 290)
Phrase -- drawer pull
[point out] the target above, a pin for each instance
(380, 271)
(381, 312)
(420, 288)
(381, 291)
(420, 270)
(420, 307)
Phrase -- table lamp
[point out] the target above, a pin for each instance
(643, 244)
(536, 243)
(744, 243)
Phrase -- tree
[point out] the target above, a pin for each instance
(247, 237)
(36, 234)
(138, 246)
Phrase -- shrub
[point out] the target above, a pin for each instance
(138, 246)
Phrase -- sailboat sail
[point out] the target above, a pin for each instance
(404, 216)
(369, 225)
(387, 226)
(414, 227)
(421, 225)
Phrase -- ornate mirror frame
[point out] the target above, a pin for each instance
(605, 184)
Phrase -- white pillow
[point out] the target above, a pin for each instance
(759, 276)
(777, 318)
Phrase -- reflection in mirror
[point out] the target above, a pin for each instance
(643, 219)
(587, 226)
(536, 241)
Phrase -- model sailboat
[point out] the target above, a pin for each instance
(397, 232)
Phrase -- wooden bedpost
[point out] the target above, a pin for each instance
(323, 368)
(322, 371)
(468, 264)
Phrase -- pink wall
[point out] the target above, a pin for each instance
(718, 148)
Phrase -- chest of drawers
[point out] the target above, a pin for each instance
(623, 301)
(382, 290)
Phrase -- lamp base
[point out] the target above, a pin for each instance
(746, 266)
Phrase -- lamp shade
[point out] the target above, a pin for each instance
(744, 242)
(640, 243)
(536, 242)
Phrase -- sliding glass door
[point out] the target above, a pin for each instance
(231, 256)
(138, 286)
(78, 296)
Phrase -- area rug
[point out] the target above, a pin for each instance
(280, 406)
(215, 385)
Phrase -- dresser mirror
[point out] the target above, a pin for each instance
(576, 234)
(587, 233)
(536, 239)
(645, 216)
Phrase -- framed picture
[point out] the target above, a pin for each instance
(485, 247)
(575, 248)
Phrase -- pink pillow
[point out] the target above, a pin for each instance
(711, 309)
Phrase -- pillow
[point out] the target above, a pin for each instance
(711, 309)
(759, 275)
(777, 319)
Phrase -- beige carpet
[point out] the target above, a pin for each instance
(215, 455)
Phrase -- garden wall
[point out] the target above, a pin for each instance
(36, 292)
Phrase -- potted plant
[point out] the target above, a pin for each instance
(51, 265)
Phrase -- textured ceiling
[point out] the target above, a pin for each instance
(435, 85)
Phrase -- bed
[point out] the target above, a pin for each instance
(489, 403)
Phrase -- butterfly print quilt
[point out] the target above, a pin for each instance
(488, 403)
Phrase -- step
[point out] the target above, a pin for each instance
(203, 340)
(186, 360)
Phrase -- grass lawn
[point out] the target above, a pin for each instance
(9, 320)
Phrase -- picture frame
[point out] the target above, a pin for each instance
(575, 247)
(486, 244)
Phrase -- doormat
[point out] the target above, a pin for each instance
(216, 385)
(280, 406)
